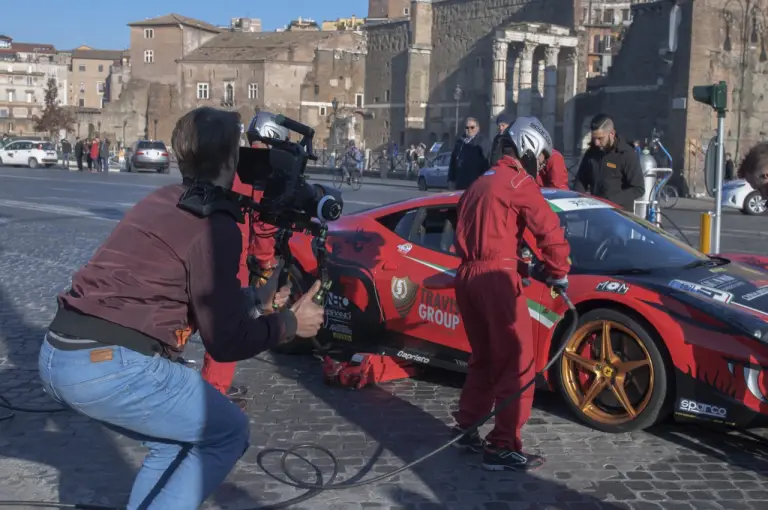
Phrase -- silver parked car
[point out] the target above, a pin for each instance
(435, 174)
(148, 155)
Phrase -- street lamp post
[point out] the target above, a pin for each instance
(457, 96)
(125, 123)
(155, 137)
(748, 21)
(335, 106)
(99, 124)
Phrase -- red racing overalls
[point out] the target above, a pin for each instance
(492, 216)
(260, 244)
(555, 173)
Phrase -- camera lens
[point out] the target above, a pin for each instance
(329, 209)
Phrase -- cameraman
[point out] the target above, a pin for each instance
(161, 275)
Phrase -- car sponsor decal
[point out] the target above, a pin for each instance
(695, 288)
(440, 309)
(408, 356)
(537, 312)
(722, 282)
(404, 248)
(404, 293)
(613, 287)
(762, 291)
(338, 317)
(577, 204)
(693, 407)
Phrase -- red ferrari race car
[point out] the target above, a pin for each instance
(664, 329)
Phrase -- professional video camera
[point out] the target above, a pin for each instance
(278, 168)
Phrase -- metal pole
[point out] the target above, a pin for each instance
(456, 126)
(719, 181)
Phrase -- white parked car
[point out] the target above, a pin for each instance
(29, 153)
(738, 194)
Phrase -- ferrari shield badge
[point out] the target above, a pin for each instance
(403, 294)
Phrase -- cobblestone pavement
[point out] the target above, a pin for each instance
(66, 457)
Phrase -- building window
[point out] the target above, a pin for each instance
(100, 87)
(30, 97)
(149, 56)
(625, 15)
(81, 102)
(30, 81)
(253, 91)
(359, 100)
(229, 93)
(317, 89)
(82, 87)
(608, 16)
(386, 96)
(406, 11)
(584, 16)
(149, 33)
(101, 68)
(81, 69)
(203, 91)
(10, 96)
(323, 111)
(3, 113)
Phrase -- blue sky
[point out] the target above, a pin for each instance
(102, 25)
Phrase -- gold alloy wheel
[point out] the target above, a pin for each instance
(607, 372)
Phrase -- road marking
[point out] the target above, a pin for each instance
(61, 210)
(357, 202)
(70, 181)
(125, 205)
(67, 189)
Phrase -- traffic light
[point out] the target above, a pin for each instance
(715, 95)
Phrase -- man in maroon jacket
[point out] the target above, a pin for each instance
(163, 274)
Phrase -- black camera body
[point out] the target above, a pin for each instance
(278, 168)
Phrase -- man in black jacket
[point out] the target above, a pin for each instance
(610, 168)
(470, 156)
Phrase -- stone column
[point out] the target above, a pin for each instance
(550, 90)
(514, 75)
(499, 84)
(569, 114)
(526, 75)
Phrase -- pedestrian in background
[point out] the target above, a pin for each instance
(729, 167)
(470, 156)
(93, 156)
(66, 150)
(79, 153)
(502, 122)
(104, 155)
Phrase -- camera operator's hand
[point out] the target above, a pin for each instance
(559, 284)
(281, 298)
(309, 316)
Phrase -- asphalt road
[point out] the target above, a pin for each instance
(51, 221)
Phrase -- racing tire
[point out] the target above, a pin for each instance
(754, 205)
(356, 180)
(297, 346)
(422, 182)
(32, 163)
(604, 410)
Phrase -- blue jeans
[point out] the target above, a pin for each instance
(195, 435)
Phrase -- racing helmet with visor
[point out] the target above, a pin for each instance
(530, 141)
(264, 124)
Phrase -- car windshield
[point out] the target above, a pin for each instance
(151, 145)
(47, 146)
(611, 240)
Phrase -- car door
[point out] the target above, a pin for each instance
(23, 153)
(416, 286)
(442, 171)
(8, 154)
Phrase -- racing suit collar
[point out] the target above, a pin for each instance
(510, 162)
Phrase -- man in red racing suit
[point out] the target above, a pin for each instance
(552, 171)
(492, 216)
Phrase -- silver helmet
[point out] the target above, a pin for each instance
(264, 125)
(529, 137)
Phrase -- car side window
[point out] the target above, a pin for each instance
(11, 147)
(403, 227)
(437, 229)
(24, 146)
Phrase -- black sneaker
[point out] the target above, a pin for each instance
(502, 459)
(471, 442)
(236, 391)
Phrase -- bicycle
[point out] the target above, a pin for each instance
(668, 196)
(354, 178)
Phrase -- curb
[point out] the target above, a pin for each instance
(392, 183)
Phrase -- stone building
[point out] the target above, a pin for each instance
(25, 69)
(294, 73)
(450, 59)
(649, 85)
(157, 43)
(89, 71)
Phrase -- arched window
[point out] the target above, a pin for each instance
(229, 93)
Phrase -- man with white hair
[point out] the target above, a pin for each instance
(470, 157)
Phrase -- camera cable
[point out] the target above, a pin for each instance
(319, 486)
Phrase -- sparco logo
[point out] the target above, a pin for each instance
(536, 127)
(337, 314)
(705, 409)
(412, 357)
